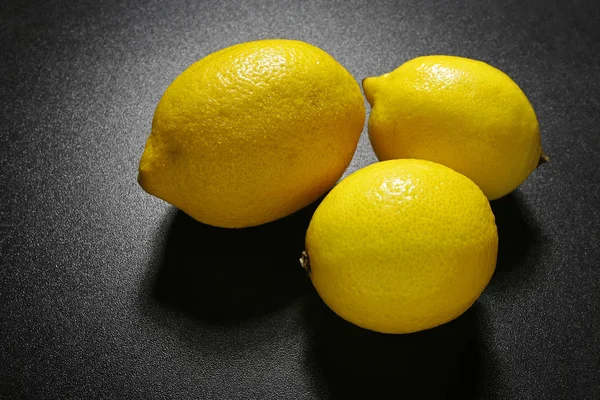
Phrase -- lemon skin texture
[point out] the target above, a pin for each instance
(402, 245)
(459, 112)
(252, 133)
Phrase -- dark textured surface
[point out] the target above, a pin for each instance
(106, 292)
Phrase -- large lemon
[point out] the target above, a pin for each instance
(252, 133)
(401, 246)
(459, 112)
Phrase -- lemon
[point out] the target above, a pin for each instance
(459, 112)
(402, 246)
(252, 133)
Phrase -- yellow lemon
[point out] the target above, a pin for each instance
(459, 112)
(401, 246)
(252, 133)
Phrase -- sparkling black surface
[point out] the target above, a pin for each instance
(107, 292)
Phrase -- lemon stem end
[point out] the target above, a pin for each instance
(543, 159)
(305, 261)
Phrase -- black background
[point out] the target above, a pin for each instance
(107, 292)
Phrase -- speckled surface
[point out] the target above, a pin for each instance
(106, 292)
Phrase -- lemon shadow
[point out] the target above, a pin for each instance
(520, 240)
(439, 363)
(225, 275)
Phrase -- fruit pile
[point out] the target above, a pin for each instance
(256, 131)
